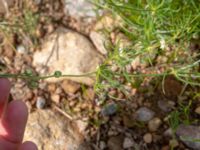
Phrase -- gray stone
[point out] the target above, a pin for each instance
(189, 135)
(144, 114)
(51, 131)
(69, 52)
(166, 106)
(40, 102)
(110, 109)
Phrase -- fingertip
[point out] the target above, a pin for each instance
(5, 86)
(14, 121)
(16, 109)
(28, 145)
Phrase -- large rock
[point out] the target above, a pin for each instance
(69, 52)
(189, 135)
(51, 131)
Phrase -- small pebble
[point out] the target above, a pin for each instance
(165, 147)
(58, 90)
(40, 102)
(89, 94)
(115, 142)
(128, 143)
(154, 124)
(173, 143)
(102, 145)
(52, 87)
(70, 87)
(128, 121)
(147, 138)
(55, 98)
(168, 133)
(166, 106)
(144, 114)
(112, 132)
(42, 85)
(21, 49)
(197, 110)
(109, 109)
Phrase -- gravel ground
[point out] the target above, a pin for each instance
(139, 121)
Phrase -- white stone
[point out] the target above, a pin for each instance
(21, 49)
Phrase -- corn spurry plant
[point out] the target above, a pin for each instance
(155, 28)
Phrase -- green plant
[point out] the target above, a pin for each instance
(180, 116)
(155, 28)
(33, 79)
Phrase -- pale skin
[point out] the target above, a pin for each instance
(13, 119)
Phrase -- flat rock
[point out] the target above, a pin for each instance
(189, 135)
(51, 131)
(69, 52)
